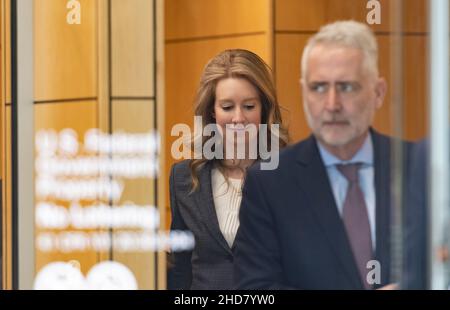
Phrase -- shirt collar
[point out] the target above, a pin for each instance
(364, 154)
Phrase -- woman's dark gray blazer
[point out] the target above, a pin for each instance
(210, 264)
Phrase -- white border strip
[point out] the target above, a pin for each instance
(25, 143)
(439, 122)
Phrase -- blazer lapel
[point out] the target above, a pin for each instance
(205, 202)
(312, 177)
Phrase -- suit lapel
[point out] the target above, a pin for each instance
(204, 201)
(312, 177)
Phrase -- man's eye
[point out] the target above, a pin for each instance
(347, 87)
(318, 88)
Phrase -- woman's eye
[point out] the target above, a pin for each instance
(249, 107)
(227, 108)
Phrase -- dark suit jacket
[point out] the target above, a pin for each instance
(416, 214)
(291, 234)
(210, 264)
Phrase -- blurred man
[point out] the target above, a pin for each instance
(415, 264)
(416, 273)
(322, 219)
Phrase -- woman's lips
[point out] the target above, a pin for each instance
(238, 128)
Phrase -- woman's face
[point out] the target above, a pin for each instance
(238, 109)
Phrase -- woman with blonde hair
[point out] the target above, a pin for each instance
(236, 92)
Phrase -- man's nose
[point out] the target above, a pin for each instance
(333, 102)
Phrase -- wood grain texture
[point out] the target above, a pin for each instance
(136, 116)
(306, 15)
(65, 55)
(79, 116)
(132, 48)
(204, 18)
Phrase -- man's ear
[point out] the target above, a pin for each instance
(380, 91)
(302, 82)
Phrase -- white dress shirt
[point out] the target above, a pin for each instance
(227, 201)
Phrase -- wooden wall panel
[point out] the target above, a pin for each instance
(7, 51)
(299, 15)
(288, 52)
(79, 116)
(136, 116)
(204, 18)
(132, 48)
(414, 14)
(65, 55)
(103, 62)
(143, 267)
(133, 115)
(416, 88)
(306, 15)
(133, 78)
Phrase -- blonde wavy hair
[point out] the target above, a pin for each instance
(236, 63)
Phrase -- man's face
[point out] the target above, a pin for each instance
(339, 95)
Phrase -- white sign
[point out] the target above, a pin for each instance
(107, 275)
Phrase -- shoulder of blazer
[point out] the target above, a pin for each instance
(301, 152)
(181, 173)
(383, 143)
(180, 176)
(181, 168)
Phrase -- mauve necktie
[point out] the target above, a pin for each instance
(356, 220)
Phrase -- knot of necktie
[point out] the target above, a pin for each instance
(350, 171)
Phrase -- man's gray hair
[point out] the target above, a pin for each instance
(346, 34)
